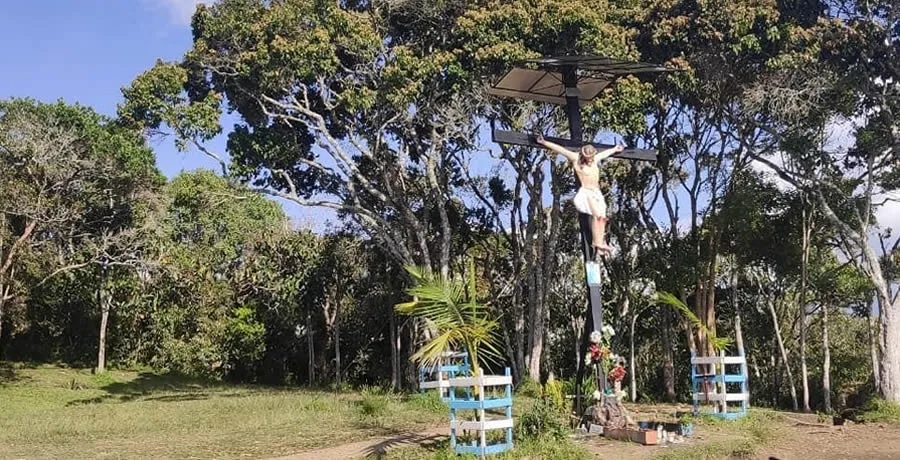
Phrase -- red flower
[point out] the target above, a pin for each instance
(595, 353)
(617, 374)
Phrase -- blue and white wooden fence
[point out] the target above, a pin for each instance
(481, 395)
(438, 375)
(722, 381)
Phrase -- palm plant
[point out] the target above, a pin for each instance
(451, 308)
(718, 343)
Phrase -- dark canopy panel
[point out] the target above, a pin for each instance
(594, 73)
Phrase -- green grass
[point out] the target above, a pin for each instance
(52, 412)
(880, 411)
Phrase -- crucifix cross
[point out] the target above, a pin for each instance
(557, 81)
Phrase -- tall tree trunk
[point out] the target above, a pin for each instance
(4, 292)
(577, 323)
(413, 342)
(804, 261)
(826, 361)
(739, 337)
(870, 264)
(311, 349)
(783, 351)
(535, 297)
(738, 327)
(337, 343)
(668, 359)
(519, 336)
(890, 352)
(874, 345)
(105, 304)
(631, 370)
(395, 351)
(778, 377)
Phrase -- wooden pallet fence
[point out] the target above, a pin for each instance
(438, 375)
(480, 397)
(722, 381)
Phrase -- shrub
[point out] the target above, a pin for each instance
(555, 394)
(879, 410)
(430, 401)
(542, 421)
(374, 403)
(529, 388)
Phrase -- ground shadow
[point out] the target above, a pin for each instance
(7, 373)
(147, 384)
(431, 442)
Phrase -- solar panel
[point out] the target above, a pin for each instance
(546, 83)
(601, 64)
(545, 86)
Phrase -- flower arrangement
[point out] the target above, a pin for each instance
(604, 362)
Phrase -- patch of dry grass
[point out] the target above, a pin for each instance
(52, 412)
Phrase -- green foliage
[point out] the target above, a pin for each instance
(555, 394)
(542, 421)
(529, 388)
(878, 410)
(718, 343)
(451, 307)
(430, 402)
(374, 404)
(244, 340)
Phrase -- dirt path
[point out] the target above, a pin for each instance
(373, 447)
(795, 442)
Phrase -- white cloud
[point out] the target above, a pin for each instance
(179, 11)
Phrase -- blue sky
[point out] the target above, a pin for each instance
(85, 51)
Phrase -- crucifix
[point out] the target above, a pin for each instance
(571, 81)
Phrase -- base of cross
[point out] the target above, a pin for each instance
(607, 412)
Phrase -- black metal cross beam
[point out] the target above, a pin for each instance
(513, 138)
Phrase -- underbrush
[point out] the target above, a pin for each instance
(880, 411)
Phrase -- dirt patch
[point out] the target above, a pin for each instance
(607, 449)
(864, 441)
(799, 437)
(371, 447)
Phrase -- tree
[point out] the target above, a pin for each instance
(339, 273)
(372, 109)
(73, 186)
(848, 185)
(699, 124)
(329, 109)
(208, 229)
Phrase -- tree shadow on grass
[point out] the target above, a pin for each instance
(146, 386)
(430, 442)
(7, 373)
